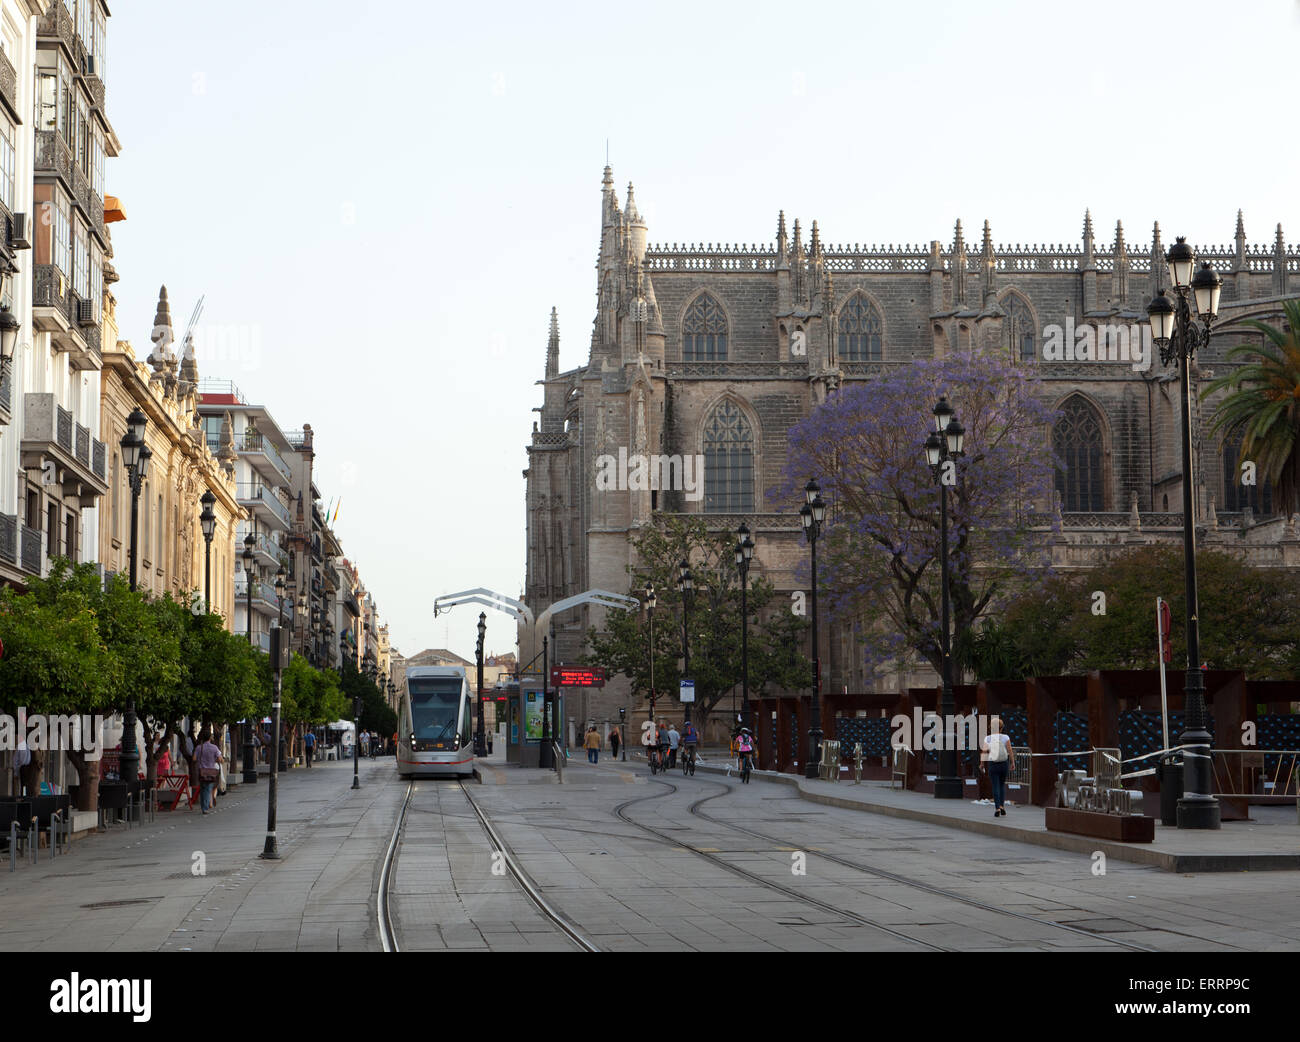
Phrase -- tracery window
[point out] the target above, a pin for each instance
(1018, 326)
(704, 331)
(1077, 441)
(728, 461)
(1236, 495)
(860, 331)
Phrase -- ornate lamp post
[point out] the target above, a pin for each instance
(270, 850)
(686, 587)
(480, 736)
(811, 516)
(942, 448)
(356, 742)
(208, 521)
(650, 601)
(9, 329)
(136, 456)
(744, 554)
(250, 750)
(1178, 337)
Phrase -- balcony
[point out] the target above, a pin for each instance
(263, 503)
(264, 457)
(265, 551)
(6, 396)
(265, 602)
(8, 85)
(54, 158)
(51, 436)
(56, 310)
(350, 603)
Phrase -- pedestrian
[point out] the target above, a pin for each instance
(614, 740)
(209, 759)
(592, 742)
(674, 739)
(997, 754)
(266, 746)
(308, 744)
(164, 761)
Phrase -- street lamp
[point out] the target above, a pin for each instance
(250, 750)
(650, 601)
(208, 521)
(686, 587)
(811, 515)
(1178, 337)
(136, 455)
(279, 740)
(744, 554)
(480, 737)
(942, 449)
(270, 850)
(356, 741)
(9, 329)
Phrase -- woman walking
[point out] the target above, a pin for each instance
(997, 752)
(615, 739)
(209, 758)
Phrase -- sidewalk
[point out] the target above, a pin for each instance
(1269, 843)
(137, 889)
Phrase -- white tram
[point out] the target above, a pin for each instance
(435, 723)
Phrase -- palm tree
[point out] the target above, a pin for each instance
(1263, 406)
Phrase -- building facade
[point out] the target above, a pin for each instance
(714, 352)
(172, 554)
(55, 139)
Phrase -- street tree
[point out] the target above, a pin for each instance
(623, 645)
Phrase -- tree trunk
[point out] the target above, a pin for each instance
(87, 780)
(30, 774)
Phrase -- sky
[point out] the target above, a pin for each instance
(380, 204)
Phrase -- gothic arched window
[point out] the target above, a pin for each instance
(1236, 494)
(1019, 334)
(728, 461)
(1077, 441)
(704, 331)
(859, 325)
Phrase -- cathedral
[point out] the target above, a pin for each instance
(713, 352)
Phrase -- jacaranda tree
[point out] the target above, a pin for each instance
(879, 555)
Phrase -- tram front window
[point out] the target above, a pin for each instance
(435, 703)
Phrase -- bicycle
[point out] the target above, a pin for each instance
(746, 766)
(688, 761)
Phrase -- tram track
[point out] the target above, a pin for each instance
(881, 873)
(388, 934)
(791, 892)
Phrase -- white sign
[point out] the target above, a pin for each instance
(688, 691)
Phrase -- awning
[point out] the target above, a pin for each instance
(113, 210)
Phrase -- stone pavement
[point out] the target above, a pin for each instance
(133, 889)
(1270, 842)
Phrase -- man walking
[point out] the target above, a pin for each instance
(674, 739)
(308, 744)
(592, 742)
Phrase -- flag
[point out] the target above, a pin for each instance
(336, 510)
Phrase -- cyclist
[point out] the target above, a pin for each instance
(745, 750)
(689, 740)
(665, 743)
(650, 739)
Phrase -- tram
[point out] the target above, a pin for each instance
(435, 723)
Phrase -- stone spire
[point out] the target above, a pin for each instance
(1239, 264)
(1087, 240)
(1279, 264)
(782, 248)
(553, 348)
(1158, 268)
(989, 268)
(189, 368)
(633, 217)
(226, 448)
(958, 267)
(797, 263)
(163, 358)
(1119, 273)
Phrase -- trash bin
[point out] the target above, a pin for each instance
(1171, 790)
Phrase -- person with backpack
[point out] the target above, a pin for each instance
(997, 754)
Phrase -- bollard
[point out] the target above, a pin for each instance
(34, 837)
(13, 846)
